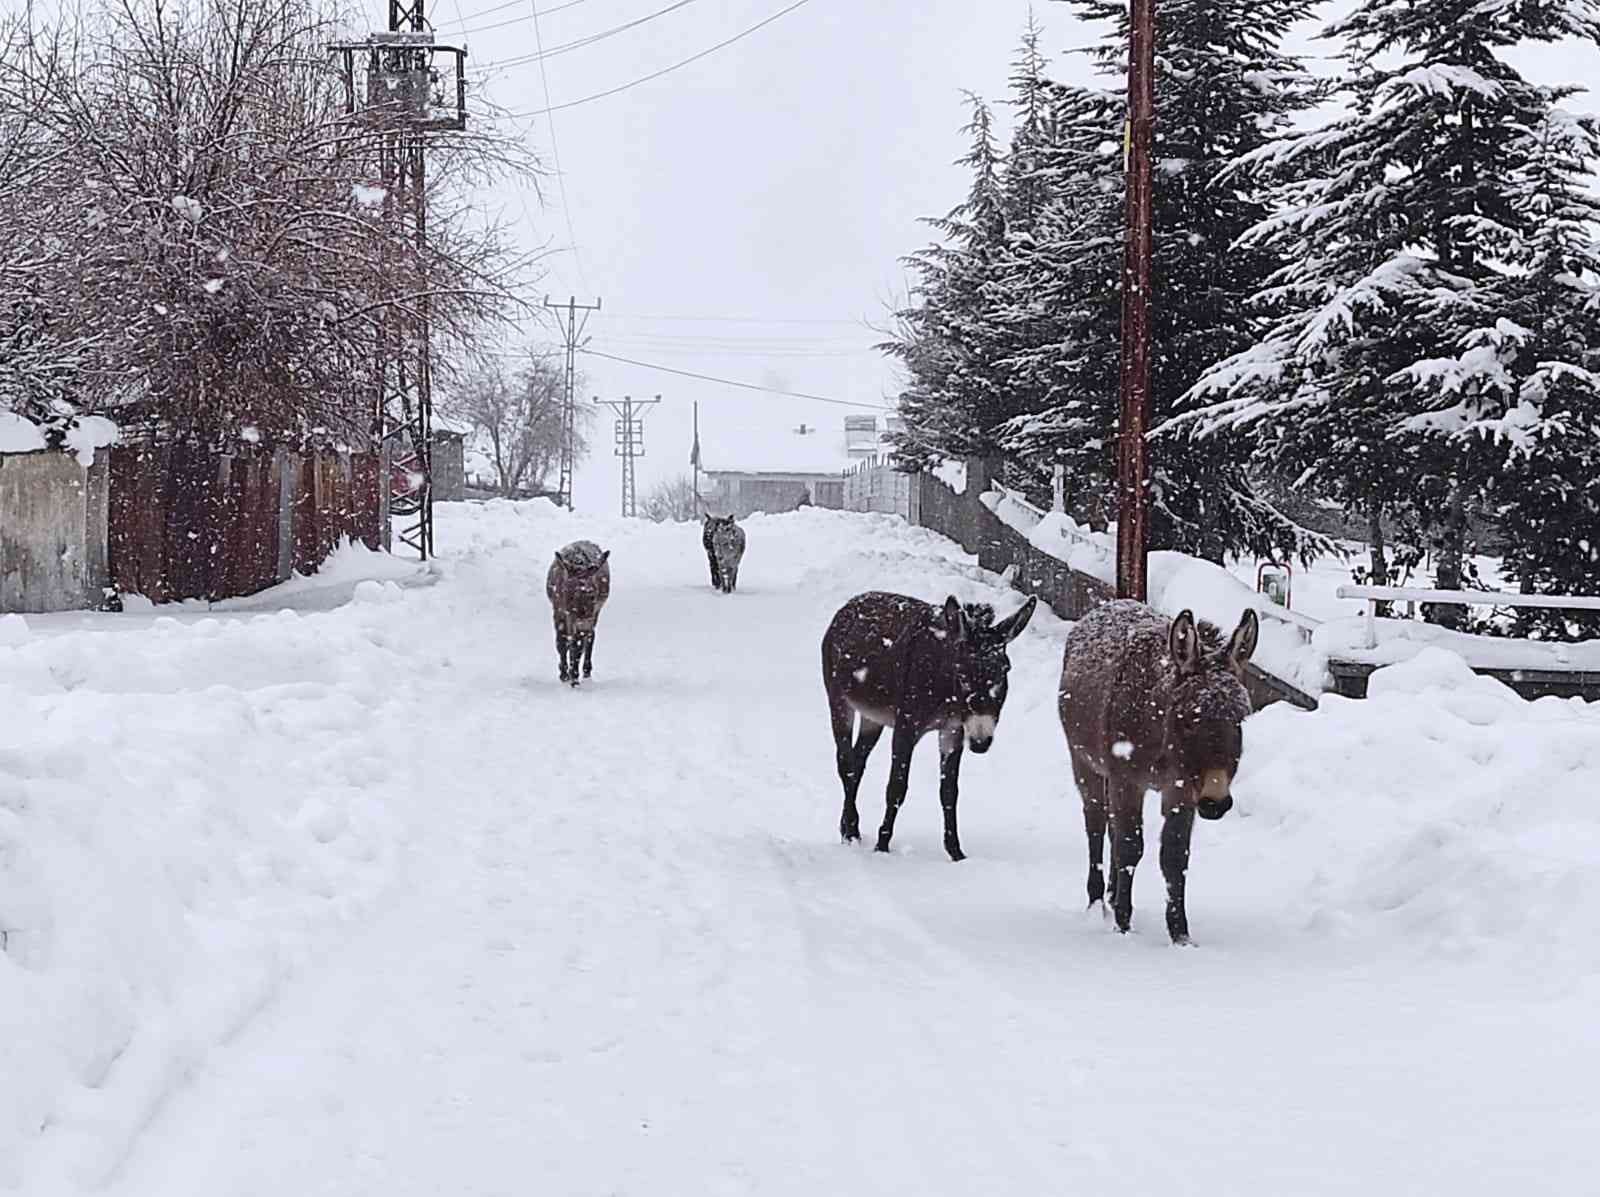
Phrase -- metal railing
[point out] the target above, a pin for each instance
(1373, 595)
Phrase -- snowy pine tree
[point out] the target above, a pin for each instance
(1392, 373)
(943, 341)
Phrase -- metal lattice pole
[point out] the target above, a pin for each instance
(572, 335)
(403, 101)
(629, 436)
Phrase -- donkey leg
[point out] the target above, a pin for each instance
(899, 778)
(1175, 830)
(574, 656)
(1092, 792)
(716, 570)
(588, 654)
(561, 650)
(852, 764)
(1127, 847)
(950, 746)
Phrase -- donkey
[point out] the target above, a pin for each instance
(902, 663)
(1152, 705)
(578, 585)
(724, 544)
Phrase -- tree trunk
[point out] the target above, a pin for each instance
(1448, 574)
(1379, 573)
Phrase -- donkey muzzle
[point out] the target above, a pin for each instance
(980, 732)
(1215, 800)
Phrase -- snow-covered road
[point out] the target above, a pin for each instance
(606, 942)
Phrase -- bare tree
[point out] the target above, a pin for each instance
(671, 501)
(193, 224)
(515, 420)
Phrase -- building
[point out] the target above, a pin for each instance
(778, 467)
(745, 492)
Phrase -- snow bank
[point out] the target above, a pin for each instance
(19, 434)
(188, 808)
(1442, 808)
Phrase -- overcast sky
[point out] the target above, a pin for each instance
(771, 185)
(776, 181)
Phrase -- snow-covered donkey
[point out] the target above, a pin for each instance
(1152, 705)
(899, 662)
(724, 544)
(578, 585)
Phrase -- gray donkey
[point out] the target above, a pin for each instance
(1151, 705)
(724, 544)
(578, 585)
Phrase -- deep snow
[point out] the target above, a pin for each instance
(266, 935)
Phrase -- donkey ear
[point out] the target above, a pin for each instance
(1009, 629)
(1183, 642)
(605, 556)
(952, 619)
(560, 560)
(1242, 644)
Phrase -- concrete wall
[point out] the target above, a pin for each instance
(1070, 594)
(52, 532)
(875, 486)
(449, 468)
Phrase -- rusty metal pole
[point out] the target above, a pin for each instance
(1133, 497)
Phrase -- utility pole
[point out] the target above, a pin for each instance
(572, 334)
(630, 445)
(694, 458)
(1133, 532)
(413, 87)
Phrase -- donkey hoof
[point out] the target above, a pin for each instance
(881, 846)
(955, 852)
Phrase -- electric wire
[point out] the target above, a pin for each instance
(667, 70)
(555, 153)
(729, 382)
(566, 47)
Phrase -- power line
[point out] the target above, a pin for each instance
(728, 382)
(555, 153)
(489, 12)
(541, 54)
(739, 319)
(601, 95)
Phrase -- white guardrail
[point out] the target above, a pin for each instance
(1373, 595)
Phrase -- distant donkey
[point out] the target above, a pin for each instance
(1152, 705)
(724, 543)
(902, 663)
(578, 585)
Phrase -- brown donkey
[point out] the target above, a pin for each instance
(578, 585)
(1149, 705)
(899, 662)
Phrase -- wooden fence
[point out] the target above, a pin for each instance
(187, 521)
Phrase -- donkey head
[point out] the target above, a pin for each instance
(974, 648)
(1208, 705)
(580, 590)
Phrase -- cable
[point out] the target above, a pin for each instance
(728, 382)
(601, 95)
(735, 319)
(489, 12)
(581, 42)
(555, 152)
